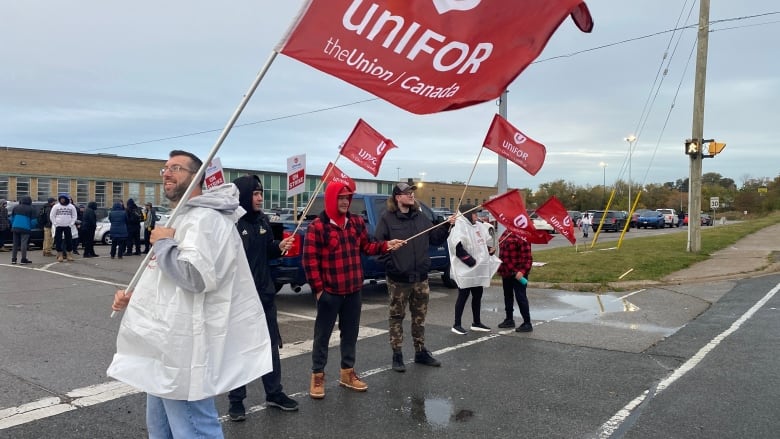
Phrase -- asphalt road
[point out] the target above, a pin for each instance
(677, 361)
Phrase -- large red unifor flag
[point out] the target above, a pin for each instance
(509, 210)
(333, 173)
(555, 213)
(427, 56)
(366, 147)
(510, 143)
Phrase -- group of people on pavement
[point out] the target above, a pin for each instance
(126, 223)
(202, 318)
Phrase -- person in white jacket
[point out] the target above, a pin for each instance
(63, 216)
(472, 265)
(194, 326)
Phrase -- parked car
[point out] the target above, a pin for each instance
(36, 233)
(704, 218)
(670, 217)
(541, 224)
(103, 229)
(651, 218)
(441, 214)
(614, 220)
(575, 216)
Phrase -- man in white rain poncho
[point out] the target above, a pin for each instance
(472, 264)
(194, 327)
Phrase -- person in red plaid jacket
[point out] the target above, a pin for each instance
(331, 259)
(516, 262)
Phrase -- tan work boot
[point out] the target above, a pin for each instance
(350, 380)
(317, 386)
(59, 256)
(69, 256)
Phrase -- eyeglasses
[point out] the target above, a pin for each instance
(175, 169)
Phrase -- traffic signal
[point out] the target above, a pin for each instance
(692, 147)
(715, 148)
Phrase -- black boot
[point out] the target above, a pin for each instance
(424, 357)
(398, 362)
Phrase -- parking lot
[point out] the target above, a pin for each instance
(588, 357)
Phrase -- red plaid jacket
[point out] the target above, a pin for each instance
(331, 255)
(515, 254)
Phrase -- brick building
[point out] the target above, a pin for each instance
(107, 177)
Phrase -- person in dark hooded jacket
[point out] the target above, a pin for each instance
(87, 233)
(118, 218)
(21, 224)
(134, 220)
(260, 246)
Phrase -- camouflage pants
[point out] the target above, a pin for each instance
(416, 295)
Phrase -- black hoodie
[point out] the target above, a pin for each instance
(257, 237)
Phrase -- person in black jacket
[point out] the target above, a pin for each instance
(87, 232)
(260, 246)
(134, 220)
(407, 270)
(150, 220)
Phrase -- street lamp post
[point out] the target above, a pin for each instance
(630, 139)
(604, 184)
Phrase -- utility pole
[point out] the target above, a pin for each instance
(502, 171)
(694, 183)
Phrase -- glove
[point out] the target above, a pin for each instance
(523, 281)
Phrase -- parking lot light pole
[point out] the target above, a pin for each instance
(604, 184)
(630, 139)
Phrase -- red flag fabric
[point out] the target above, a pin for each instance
(333, 173)
(509, 142)
(509, 210)
(555, 213)
(427, 56)
(366, 147)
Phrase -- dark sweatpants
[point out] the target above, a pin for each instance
(476, 304)
(347, 309)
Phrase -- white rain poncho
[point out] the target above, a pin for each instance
(190, 345)
(474, 238)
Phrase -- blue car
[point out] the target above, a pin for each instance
(650, 218)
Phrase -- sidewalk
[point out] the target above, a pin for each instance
(753, 255)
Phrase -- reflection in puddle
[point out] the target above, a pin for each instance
(435, 412)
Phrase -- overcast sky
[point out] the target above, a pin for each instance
(141, 78)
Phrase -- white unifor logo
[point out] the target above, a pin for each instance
(521, 222)
(567, 221)
(519, 138)
(444, 6)
(380, 148)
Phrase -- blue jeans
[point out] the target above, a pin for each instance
(175, 419)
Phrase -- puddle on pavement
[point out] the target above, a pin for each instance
(583, 308)
(437, 413)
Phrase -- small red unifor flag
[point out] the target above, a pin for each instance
(509, 210)
(366, 147)
(333, 173)
(509, 142)
(555, 213)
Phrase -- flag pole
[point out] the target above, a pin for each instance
(199, 175)
(440, 224)
(463, 194)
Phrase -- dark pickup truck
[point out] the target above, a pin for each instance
(288, 269)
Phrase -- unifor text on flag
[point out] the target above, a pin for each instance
(554, 212)
(366, 147)
(333, 173)
(510, 143)
(509, 210)
(427, 56)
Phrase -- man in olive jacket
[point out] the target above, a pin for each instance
(407, 270)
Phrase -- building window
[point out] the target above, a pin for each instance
(4, 186)
(149, 193)
(44, 189)
(443, 201)
(117, 194)
(452, 204)
(82, 191)
(22, 187)
(433, 202)
(134, 192)
(100, 194)
(63, 186)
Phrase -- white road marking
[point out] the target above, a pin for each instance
(609, 427)
(45, 269)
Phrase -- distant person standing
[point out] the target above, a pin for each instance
(134, 220)
(585, 223)
(63, 215)
(21, 225)
(331, 259)
(118, 231)
(472, 265)
(45, 221)
(150, 220)
(5, 224)
(516, 263)
(88, 226)
(407, 271)
(680, 218)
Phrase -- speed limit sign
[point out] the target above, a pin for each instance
(714, 202)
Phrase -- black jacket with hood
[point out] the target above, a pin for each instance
(411, 262)
(257, 237)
